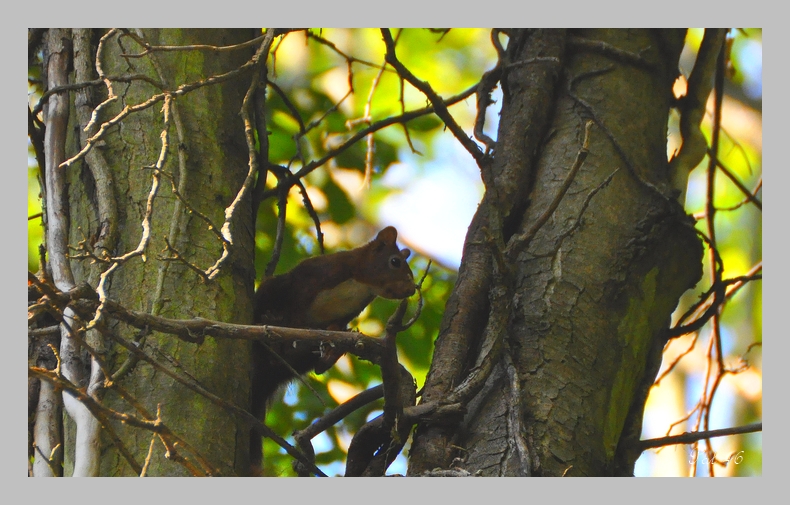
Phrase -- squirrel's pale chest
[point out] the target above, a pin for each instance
(344, 301)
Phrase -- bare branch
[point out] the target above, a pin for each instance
(349, 59)
(695, 436)
(180, 91)
(193, 47)
(701, 312)
(104, 414)
(436, 101)
(750, 195)
(341, 411)
(378, 125)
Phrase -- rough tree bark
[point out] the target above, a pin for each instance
(109, 192)
(553, 333)
(571, 326)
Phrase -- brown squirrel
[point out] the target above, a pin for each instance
(322, 292)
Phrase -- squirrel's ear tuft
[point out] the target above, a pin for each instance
(388, 235)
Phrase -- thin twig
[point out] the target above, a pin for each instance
(193, 47)
(366, 118)
(715, 368)
(177, 256)
(620, 151)
(750, 195)
(520, 241)
(180, 91)
(441, 109)
(695, 436)
(93, 82)
(378, 125)
(349, 59)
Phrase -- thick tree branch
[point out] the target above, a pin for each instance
(530, 91)
(694, 146)
(56, 116)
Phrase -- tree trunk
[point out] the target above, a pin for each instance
(109, 193)
(551, 338)
(569, 319)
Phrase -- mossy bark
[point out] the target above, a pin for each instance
(207, 157)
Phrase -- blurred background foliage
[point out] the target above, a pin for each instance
(738, 226)
(315, 78)
(329, 84)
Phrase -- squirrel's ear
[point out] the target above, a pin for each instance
(404, 253)
(388, 235)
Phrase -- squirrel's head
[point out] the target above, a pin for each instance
(386, 268)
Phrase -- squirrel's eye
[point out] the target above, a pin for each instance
(395, 261)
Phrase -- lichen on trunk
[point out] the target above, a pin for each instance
(207, 162)
(598, 282)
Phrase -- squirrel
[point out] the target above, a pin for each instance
(322, 292)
